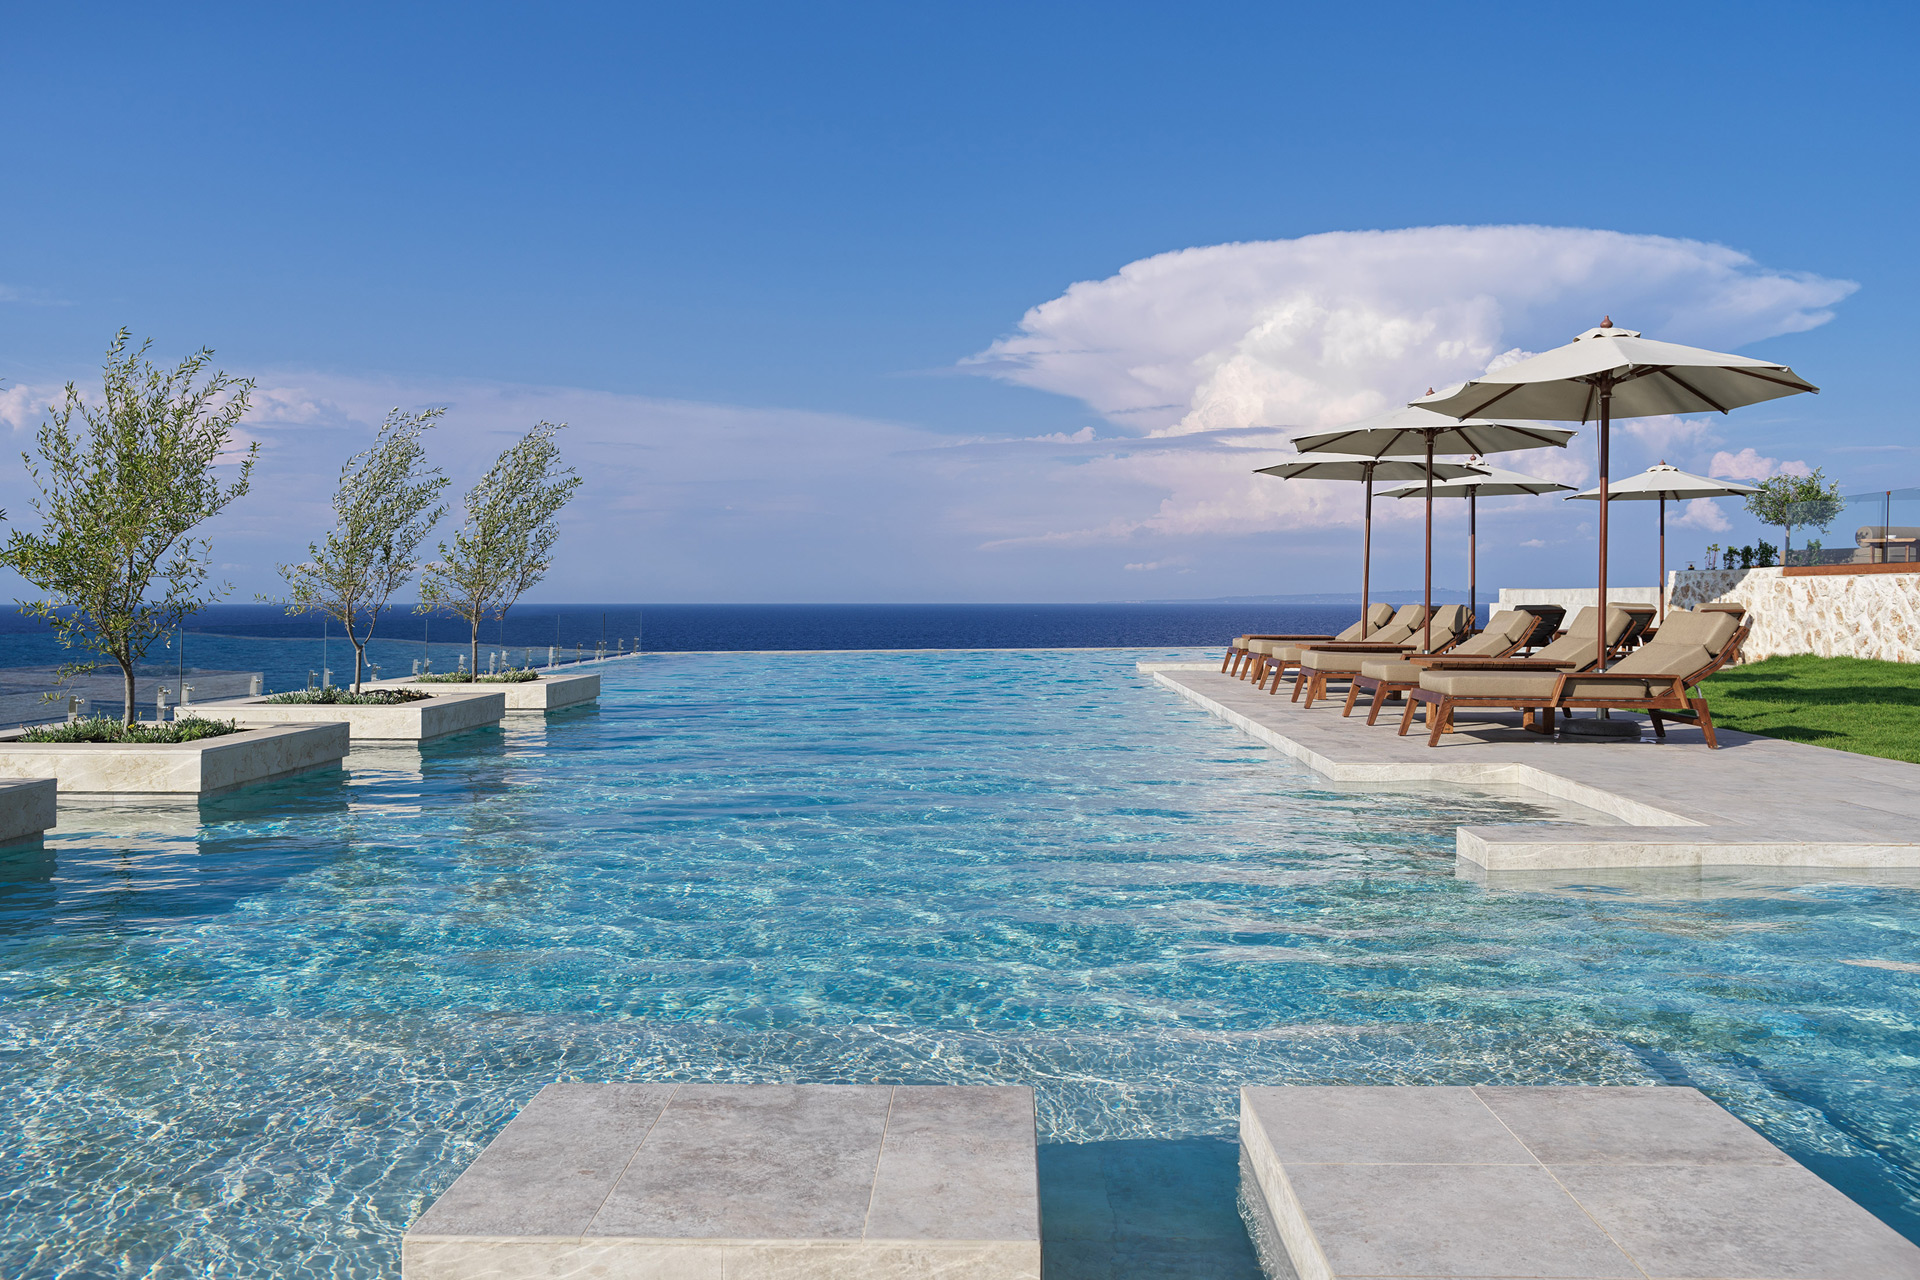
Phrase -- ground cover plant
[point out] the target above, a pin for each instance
(336, 696)
(110, 729)
(1853, 704)
(512, 675)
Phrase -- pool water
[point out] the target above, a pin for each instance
(258, 1037)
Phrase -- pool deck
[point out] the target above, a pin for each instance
(701, 1182)
(1754, 802)
(1580, 1183)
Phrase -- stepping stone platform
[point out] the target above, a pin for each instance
(728, 1182)
(1578, 1183)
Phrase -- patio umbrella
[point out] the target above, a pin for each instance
(1413, 431)
(1664, 482)
(1334, 466)
(1496, 483)
(1608, 372)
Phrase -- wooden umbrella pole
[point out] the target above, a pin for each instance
(1426, 643)
(1663, 558)
(1473, 559)
(1606, 424)
(1366, 561)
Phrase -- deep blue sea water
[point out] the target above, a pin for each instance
(255, 1037)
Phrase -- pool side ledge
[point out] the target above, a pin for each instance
(713, 1181)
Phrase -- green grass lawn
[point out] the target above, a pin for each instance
(1853, 704)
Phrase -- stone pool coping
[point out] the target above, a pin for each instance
(1754, 802)
(706, 1180)
(424, 719)
(28, 806)
(548, 693)
(1620, 1182)
(203, 767)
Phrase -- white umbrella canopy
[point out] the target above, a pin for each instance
(1498, 482)
(1338, 466)
(1408, 433)
(1643, 378)
(1660, 483)
(1608, 372)
(1414, 431)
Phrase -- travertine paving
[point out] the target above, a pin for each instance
(722, 1182)
(1755, 801)
(1579, 1183)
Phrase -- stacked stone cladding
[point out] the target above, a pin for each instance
(1835, 616)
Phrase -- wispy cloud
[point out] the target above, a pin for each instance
(1751, 465)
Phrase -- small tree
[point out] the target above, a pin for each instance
(1787, 501)
(121, 486)
(506, 543)
(382, 511)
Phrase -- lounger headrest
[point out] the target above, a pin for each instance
(1709, 631)
(1510, 626)
(1410, 615)
(1451, 618)
(1379, 614)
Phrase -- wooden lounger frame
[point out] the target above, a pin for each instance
(1673, 704)
(1382, 690)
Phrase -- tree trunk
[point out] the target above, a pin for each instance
(474, 648)
(126, 672)
(359, 660)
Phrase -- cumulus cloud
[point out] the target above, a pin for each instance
(1750, 465)
(1236, 346)
(1703, 513)
(24, 407)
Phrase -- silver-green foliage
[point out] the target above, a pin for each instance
(122, 483)
(505, 544)
(1808, 501)
(382, 511)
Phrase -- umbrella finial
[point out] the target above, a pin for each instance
(1606, 322)
(1429, 390)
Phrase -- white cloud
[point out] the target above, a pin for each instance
(1177, 562)
(1751, 465)
(1234, 347)
(24, 408)
(1669, 436)
(1703, 513)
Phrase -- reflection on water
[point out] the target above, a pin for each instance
(256, 1036)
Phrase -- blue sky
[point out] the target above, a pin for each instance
(756, 253)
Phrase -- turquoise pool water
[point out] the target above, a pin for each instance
(259, 1037)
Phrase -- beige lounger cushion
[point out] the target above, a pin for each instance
(1686, 643)
(1504, 630)
(1522, 686)
(1398, 670)
(1320, 660)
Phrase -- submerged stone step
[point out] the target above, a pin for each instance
(1579, 1183)
(733, 1181)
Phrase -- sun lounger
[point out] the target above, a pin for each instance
(1659, 677)
(1523, 684)
(1246, 655)
(1259, 653)
(1387, 677)
(1321, 663)
(1392, 633)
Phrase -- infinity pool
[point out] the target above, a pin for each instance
(257, 1038)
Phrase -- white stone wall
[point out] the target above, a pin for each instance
(1868, 615)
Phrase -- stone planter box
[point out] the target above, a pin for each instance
(177, 768)
(429, 718)
(548, 693)
(27, 808)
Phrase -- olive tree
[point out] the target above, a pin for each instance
(382, 511)
(122, 484)
(1810, 501)
(505, 543)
